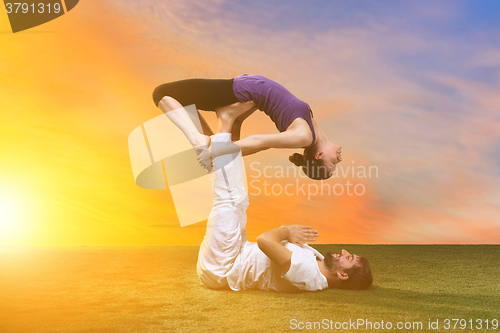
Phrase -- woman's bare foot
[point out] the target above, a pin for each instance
(201, 141)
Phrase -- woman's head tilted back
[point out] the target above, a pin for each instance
(319, 161)
(313, 168)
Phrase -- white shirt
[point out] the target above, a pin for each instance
(254, 270)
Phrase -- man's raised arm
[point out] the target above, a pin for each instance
(270, 242)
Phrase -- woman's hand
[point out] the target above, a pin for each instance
(301, 234)
(204, 158)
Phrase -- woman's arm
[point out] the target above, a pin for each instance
(296, 137)
(258, 142)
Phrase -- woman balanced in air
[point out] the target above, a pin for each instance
(234, 100)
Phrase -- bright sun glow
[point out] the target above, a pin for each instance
(10, 216)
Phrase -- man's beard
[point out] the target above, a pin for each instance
(330, 261)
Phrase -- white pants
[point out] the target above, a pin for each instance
(226, 227)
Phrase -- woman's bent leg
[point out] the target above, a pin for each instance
(179, 116)
(206, 94)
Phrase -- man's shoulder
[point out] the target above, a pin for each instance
(305, 249)
(304, 272)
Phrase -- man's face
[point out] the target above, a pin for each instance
(340, 262)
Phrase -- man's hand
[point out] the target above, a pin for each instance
(270, 242)
(300, 233)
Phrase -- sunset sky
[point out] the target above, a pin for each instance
(409, 88)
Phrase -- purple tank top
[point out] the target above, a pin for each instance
(272, 98)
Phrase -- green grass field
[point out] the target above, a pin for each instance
(155, 289)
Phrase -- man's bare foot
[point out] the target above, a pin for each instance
(227, 115)
(233, 111)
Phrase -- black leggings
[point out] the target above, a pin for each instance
(207, 94)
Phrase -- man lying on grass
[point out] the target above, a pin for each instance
(280, 260)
